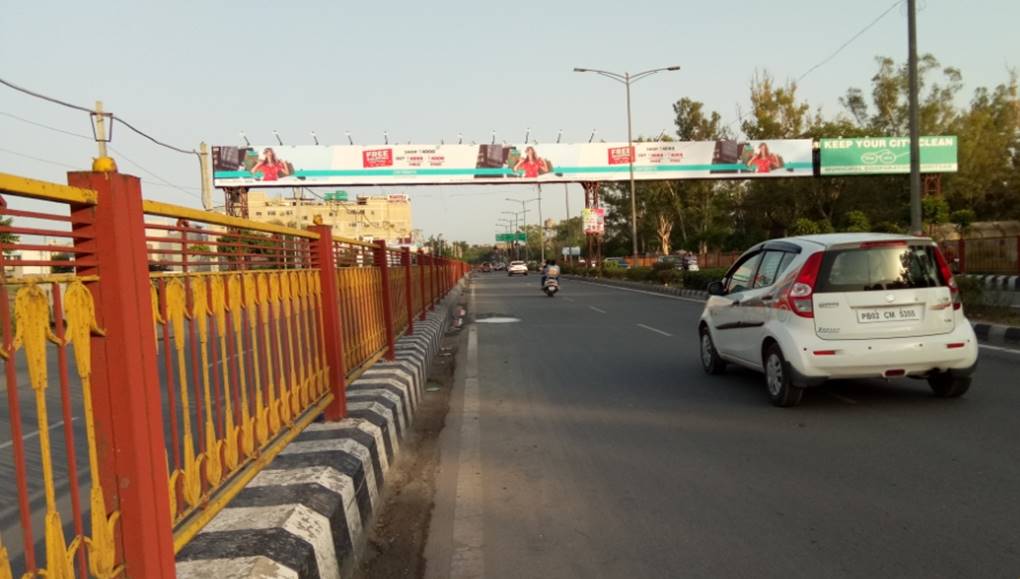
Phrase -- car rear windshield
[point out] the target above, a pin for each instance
(878, 268)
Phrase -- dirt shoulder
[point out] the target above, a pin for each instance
(396, 543)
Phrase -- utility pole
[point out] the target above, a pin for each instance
(541, 225)
(916, 226)
(566, 199)
(204, 167)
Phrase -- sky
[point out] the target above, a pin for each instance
(190, 71)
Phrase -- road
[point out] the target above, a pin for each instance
(585, 441)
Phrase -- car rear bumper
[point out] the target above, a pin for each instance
(817, 360)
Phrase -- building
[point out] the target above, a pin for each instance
(367, 218)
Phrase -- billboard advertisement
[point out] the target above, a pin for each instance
(313, 165)
(885, 155)
(594, 220)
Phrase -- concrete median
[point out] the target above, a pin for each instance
(307, 514)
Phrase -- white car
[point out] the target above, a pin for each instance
(517, 267)
(804, 310)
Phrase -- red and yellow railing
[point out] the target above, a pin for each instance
(157, 357)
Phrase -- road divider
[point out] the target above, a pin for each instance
(308, 513)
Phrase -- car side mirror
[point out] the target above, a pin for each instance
(716, 288)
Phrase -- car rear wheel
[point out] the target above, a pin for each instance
(781, 390)
(946, 385)
(710, 360)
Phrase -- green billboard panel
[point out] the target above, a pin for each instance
(886, 155)
(336, 196)
(509, 237)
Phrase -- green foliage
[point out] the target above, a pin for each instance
(663, 266)
(889, 227)
(734, 214)
(608, 271)
(857, 221)
(610, 265)
(962, 218)
(934, 210)
(62, 256)
(804, 226)
(639, 273)
(6, 236)
(670, 277)
(699, 280)
(971, 291)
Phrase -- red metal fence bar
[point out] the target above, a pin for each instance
(126, 387)
(405, 262)
(382, 262)
(329, 314)
(421, 282)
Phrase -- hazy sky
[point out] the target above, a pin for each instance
(188, 71)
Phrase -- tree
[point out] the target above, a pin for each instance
(698, 199)
(988, 181)
(6, 237)
(858, 221)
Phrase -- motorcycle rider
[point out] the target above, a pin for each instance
(550, 270)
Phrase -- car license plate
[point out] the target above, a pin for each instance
(889, 314)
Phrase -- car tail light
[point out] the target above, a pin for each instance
(825, 352)
(955, 345)
(947, 277)
(878, 244)
(894, 373)
(798, 297)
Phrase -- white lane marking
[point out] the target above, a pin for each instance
(1000, 349)
(657, 331)
(599, 310)
(658, 295)
(468, 558)
(35, 433)
(840, 397)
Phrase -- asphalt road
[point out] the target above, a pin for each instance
(585, 441)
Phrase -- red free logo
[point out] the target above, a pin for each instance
(377, 158)
(620, 155)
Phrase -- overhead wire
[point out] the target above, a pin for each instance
(829, 58)
(92, 112)
(164, 182)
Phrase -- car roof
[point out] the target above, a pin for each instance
(832, 239)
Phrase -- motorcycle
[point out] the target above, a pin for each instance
(551, 286)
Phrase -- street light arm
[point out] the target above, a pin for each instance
(647, 73)
(613, 75)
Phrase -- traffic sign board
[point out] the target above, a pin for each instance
(510, 237)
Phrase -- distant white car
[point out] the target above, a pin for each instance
(516, 267)
(804, 310)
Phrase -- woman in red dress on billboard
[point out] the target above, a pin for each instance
(531, 164)
(270, 167)
(764, 161)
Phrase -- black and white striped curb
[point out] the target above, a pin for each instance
(648, 287)
(305, 516)
(997, 335)
(1008, 283)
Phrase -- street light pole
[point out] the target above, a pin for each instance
(627, 79)
(916, 226)
(633, 188)
(524, 211)
(541, 225)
